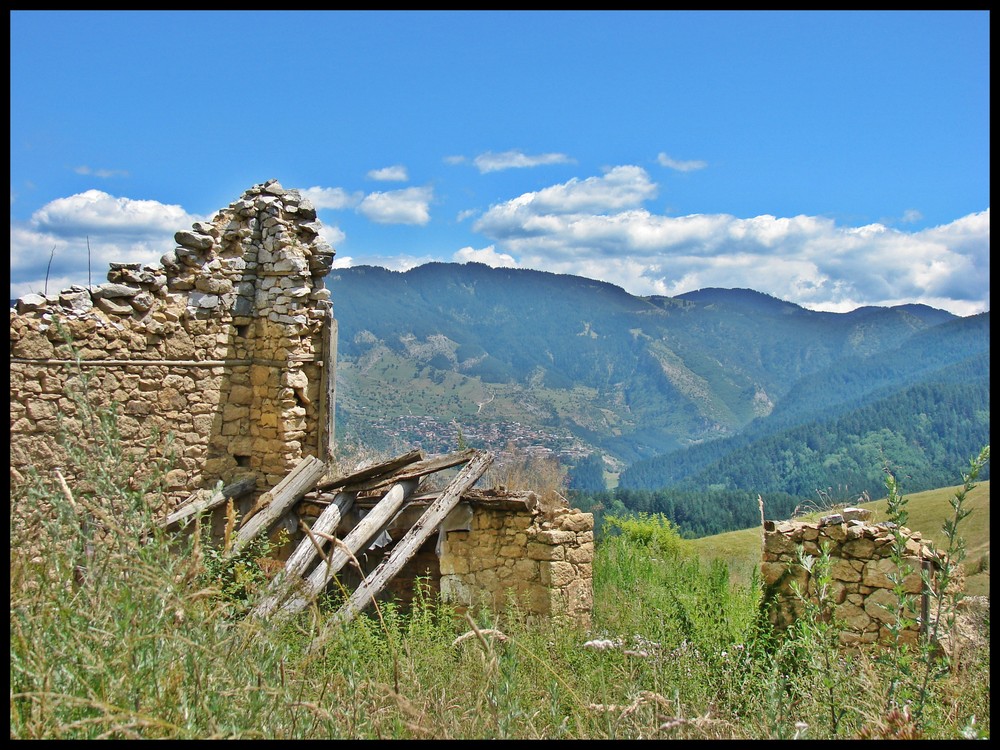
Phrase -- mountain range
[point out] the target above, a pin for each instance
(659, 389)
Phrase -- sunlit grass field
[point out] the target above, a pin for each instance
(147, 635)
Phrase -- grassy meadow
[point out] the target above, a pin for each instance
(147, 635)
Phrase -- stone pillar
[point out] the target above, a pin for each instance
(269, 242)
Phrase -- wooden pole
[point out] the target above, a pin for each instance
(192, 506)
(411, 471)
(292, 575)
(328, 392)
(291, 489)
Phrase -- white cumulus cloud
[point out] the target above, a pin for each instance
(491, 162)
(487, 256)
(406, 206)
(96, 211)
(679, 165)
(332, 198)
(81, 234)
(620, 188)
(597, 228)
(395, 173)
(333, 235)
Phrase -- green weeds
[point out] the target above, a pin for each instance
(145, 638)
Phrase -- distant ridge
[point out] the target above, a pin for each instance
(583, 367)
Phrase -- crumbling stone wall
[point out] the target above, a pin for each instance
(541, 563)
(228, 344)
(861, 564)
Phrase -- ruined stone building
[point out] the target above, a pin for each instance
(229, 346)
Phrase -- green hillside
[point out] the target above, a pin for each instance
(918, 391)
(922, 431)
(684, 405)
(928, 510)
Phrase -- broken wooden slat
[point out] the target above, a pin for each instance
(416, 470)
(407, 546)
(305, 554)
(356, 540)
(292, 488)
(193, 505)
(386, 467)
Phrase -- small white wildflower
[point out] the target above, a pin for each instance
(969, 730)
(600, 644)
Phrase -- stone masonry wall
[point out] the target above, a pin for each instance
(226, 344)
(860, 567)
(540, 563)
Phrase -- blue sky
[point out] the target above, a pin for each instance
(832, 159)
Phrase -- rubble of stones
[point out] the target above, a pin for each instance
(848, 534)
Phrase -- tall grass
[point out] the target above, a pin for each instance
(145, 638)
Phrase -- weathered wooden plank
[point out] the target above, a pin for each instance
(386, 467)
(407, 546)
(292, 488)
(416, 470)
(198, 504)
(356, 540)
(298, 564)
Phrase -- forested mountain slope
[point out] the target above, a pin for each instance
(695, 403)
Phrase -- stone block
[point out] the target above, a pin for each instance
(33, 345)
(577, 522)
(859, 548)
(881, 605)
(778, 544)
(556, 537)
(582, 554)
(556, 574)
(536, 551)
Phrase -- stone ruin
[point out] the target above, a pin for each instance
(229, 346)
(861, 566)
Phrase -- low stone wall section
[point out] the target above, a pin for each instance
(542, 564)
(861, 565)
